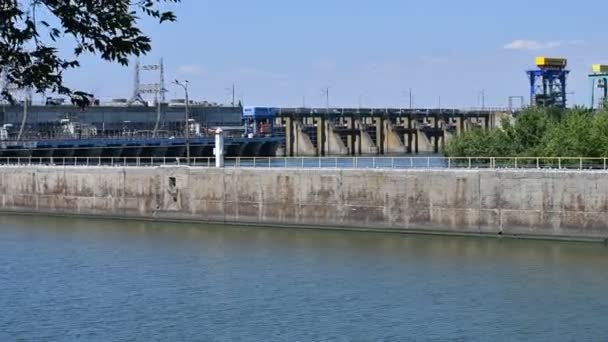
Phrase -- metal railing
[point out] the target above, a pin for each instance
(414, 162)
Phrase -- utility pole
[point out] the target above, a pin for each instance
(410, 96)
(186, 110)
(410, 92)
(26, 98)
(326, 93)
(158, 112)
(521, 102)
(231, 93)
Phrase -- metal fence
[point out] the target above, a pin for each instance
(413, 162)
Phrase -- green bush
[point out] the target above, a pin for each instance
(538, 132)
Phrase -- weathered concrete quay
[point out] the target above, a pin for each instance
(530, 203)
(319, 132)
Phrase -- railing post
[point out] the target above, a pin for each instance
(411, 162)
(254, 162)
(537, 162)
(559, 163)
(392, 162)
(63, 161)
(428, 162)
(449, 162)
(269, 162)
(302, 159)
(581, 164)
(516, 162)
(355, 162)
(87, 161)
(336, 162)
(284, 162)
(604, 164)
(319, 158)
(469, 162)
(373, 162)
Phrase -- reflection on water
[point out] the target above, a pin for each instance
(69, 279)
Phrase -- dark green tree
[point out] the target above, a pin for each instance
(570, 137)
(31, 31)
(539, 132)
(530, 128)
(599, 134)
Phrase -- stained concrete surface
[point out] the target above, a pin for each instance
(558, 204)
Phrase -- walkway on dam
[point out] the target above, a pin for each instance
(397, 162)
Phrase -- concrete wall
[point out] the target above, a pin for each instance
(534, 203)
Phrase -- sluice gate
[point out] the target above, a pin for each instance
(320, 132)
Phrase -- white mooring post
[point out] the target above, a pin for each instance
(218, 151)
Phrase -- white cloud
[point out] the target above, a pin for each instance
(190, 70)
(535, 45)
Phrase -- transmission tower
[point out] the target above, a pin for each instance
(140, 89)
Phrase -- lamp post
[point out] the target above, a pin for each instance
(185, 86)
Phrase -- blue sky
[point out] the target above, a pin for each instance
(278, 52)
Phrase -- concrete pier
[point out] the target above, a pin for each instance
(302, 144)
(531, 203)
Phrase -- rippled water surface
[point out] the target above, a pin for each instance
(67, 279)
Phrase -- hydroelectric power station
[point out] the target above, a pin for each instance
(182, 128)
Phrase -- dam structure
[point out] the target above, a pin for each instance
(141, 131)
(370, 131)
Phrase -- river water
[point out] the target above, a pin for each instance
(75, 279)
